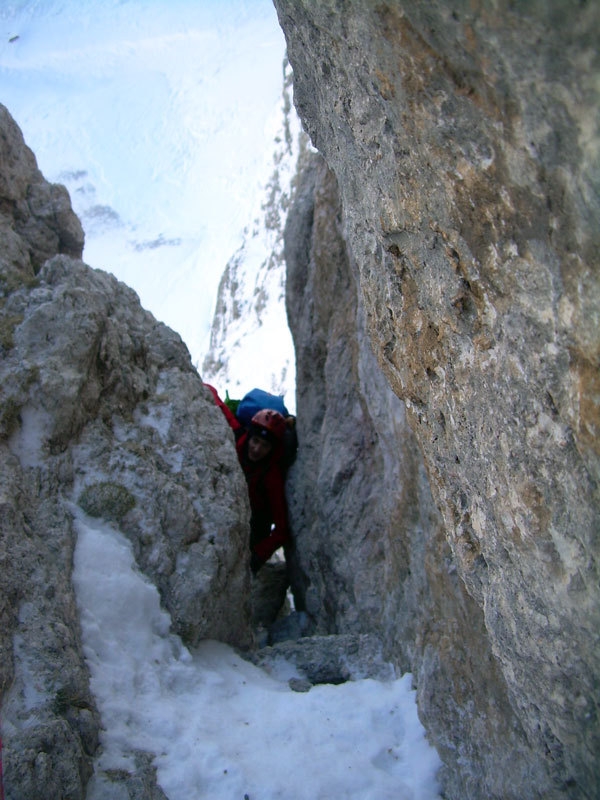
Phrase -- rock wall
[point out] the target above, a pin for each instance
(36, 218)
(464, 140)
(371, 553)
(102, 413)
(357, 492)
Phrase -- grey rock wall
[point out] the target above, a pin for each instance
(464, 140)
(101, 412)
(36, 218)
(357, 492)
(371, 554)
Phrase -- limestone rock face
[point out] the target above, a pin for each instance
(36, 218)
(464, 141)
(331, 659)
(371, 555)
(102, 414)
(357, 491)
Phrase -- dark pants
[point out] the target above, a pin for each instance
(260, 527)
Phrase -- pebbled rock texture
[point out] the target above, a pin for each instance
(371, 555)
(329, 659)
(357, 491)
(36, 218)
(101, 412)
(464, 139)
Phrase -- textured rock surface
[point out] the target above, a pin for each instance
(101, 410)
(464, 139)
(36, 218)
(371, 553)
(330, 659)
(357, 492)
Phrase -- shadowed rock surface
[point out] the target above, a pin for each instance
(36, 218)
(371, 555)
(330, 659)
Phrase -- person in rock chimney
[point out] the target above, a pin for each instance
(260, 450)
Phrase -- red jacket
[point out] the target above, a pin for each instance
(266, 490)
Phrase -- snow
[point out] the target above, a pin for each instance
(251, 344)
(156, 115)
(28, 440)
(221, 728)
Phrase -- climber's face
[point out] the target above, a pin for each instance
(258, 448)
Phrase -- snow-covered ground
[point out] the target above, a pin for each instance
(159, 117)
(221, 728)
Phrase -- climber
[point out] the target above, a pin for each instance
(260, 452)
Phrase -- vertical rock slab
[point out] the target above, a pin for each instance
(50, 724)
(464, 139)
(371, 554)
(357, 491)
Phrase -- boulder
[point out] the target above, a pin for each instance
(104, 415)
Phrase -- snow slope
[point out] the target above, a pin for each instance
(221, 728)
(251, 344)
(156, 115)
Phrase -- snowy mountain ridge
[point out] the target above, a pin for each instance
(250, 342)
(156, 116)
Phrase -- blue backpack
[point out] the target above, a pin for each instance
(256, 400)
